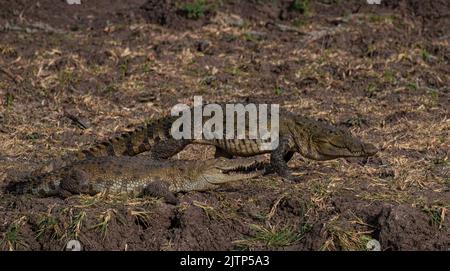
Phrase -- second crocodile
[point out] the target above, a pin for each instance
(137, 176)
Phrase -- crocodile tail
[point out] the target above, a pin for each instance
(45, 185)
(19, 188)
(131, 143)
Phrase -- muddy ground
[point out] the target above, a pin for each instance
(75, 74)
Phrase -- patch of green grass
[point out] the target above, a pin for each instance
(9, 100)
(436, 215)
(434, 94)
(235, 71)
(249, 37)
(12, 238)
(320, 190)
(389, 76)
(301, 6)
(76, 223)
(47, 223)
(67, 77)
(372, 88)
(59, 230)
(304, 229)
(194, 10)
(147, 67)
(142, 217)
(412, 86)
(123, 68)
(272, 237)
(33, 136)
(278, 90)
(425, 55)
(104, 220)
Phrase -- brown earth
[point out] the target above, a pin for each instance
(382, 71)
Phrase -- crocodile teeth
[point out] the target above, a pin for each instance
(246, 169)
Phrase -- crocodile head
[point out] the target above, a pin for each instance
(222, 170)
(321, 141)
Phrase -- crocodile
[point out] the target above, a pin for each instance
(137, 176)
(313, 139)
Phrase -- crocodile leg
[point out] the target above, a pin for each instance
(278, 162)
(76, 182)
(160, 189)
(167, 148)
(288, 156)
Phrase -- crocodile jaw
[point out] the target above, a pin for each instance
(328, 150)
(229, 170)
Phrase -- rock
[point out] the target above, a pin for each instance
(73, 2)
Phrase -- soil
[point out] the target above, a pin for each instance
(75, 74)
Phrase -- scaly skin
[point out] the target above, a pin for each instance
(137, 176)
(312, 139)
